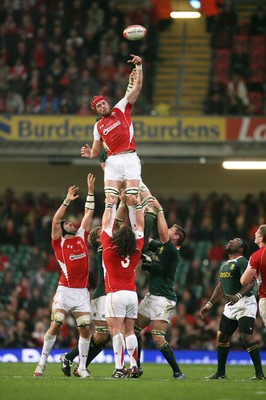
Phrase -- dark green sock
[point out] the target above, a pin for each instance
(71, 355)
(95, 349)
(222, 353)
(149, 219)
(168, 354)
(254, 353)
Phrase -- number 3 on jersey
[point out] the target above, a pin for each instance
(126, 262)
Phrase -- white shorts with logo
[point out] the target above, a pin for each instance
(245, 307)
(157, 308)
(98, 308)
(262, 309)
(72, 299)
(122, 166)
(123, 303)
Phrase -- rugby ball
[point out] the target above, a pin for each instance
(134, 32)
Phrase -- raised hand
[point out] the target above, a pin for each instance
(90, 182)
(71, 193)
(85, 151)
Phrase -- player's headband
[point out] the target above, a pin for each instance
(96, 100)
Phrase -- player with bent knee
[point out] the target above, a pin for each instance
(72, 295)
(115, 130)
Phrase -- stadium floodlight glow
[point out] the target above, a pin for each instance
(185, 14)
(244, 165)
(195, 3)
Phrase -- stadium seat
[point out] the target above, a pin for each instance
(243, 40)
(256, 102)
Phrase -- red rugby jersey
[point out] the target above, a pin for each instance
(73, 258)
(257, 261)
(119, 271)
(116, 130)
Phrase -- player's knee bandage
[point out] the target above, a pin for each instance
(83, 321)
(145, 201)
(133, 191)
(111, 190)
(154, 332)
(58, 317)
(101, 329)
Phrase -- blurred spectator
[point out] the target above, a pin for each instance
(239, 62)
(215, 104)
(22, 290)
(36, 301)
(224, 26)
(39, 281)
(237, 96)
(14, 102)
(4, 262)
(7, 286)
(38, 333)
(49, 102)
(217, 251)
(257, 24)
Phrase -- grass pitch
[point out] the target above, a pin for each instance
(17, 383)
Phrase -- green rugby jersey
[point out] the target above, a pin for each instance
(103, 155)
(230, 273)
(100, 289)
(162, 275)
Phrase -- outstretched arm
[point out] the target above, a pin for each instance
(133, 94)
(161, 222)
(71, 195)
(91, 152)
(89, 204)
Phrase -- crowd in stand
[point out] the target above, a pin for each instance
(237, 84)
(26, 292)
(56, 55)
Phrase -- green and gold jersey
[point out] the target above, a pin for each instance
(230, 273)
(100, 289)
(162, 275)
(103, 155)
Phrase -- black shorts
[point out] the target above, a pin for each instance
(244, 325)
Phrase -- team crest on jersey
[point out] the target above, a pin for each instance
(232, 266)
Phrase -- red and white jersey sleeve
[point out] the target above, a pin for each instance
(119, 271)
(257, 261)
(73, 258)
(116, 130)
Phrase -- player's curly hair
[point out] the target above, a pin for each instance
(181, 233)
(125, 241)
(93, 236)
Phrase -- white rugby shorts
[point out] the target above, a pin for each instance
(72, 299)
(122, 166)
(245, 307)
(98, 308)
(123, 303)
(157, 308)
(262, 309)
